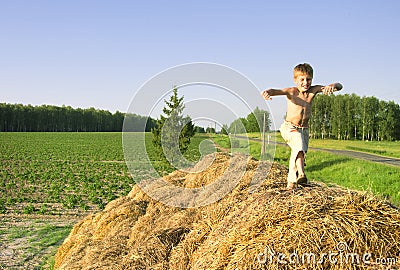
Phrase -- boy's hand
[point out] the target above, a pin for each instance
(266, 95)
(329, 89)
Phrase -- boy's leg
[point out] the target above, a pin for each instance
(292, 176)
(301, 177)
(297, 139)
(300, 163)
(286, 133)
(298, 142)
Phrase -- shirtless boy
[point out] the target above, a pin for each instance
(294, 129)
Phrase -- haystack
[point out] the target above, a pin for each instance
(315, 227)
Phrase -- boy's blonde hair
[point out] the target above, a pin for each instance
(303, 69)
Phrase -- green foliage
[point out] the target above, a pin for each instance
(18, 117)
(199, 129)
(2, 206)
(210, 130)
(252, 123)
(173, 131)
(29, 209)
(255, 121)
(138, 123)
(224, 129)
(347, 117)
(238, 126)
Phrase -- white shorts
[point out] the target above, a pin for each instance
(296, 137)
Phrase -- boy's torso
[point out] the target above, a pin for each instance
(299, 107)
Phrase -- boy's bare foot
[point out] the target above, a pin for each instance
(291, 185)
(302, 179)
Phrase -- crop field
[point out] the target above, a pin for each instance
(48, 173)
(51, 172)
(48, 181)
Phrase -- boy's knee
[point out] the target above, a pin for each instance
(300, 154)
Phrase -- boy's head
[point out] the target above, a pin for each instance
(303, 69)
(303, 75)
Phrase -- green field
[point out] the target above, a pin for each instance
(47, 173)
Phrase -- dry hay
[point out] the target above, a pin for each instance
(240, 231)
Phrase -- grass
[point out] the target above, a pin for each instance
(48, 236)
(339, 170)
(34, 239)
(356, 174)
(384, 148)
(244, 146)
(43, 235)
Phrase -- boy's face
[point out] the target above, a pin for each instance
(303, 82)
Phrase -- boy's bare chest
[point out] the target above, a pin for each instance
(301, 100)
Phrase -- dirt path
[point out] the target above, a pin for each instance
(363, 156)
(21, 239)
(350, 153)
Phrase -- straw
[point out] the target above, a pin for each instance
(272, 228)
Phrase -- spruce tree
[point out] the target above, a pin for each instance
(173, 131)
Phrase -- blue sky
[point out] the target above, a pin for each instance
(98, 53)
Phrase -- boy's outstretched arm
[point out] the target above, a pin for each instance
(267, 94)
(330, 88)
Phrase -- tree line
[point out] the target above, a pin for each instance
(49, 118)
(347, 117)
(343, 117)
